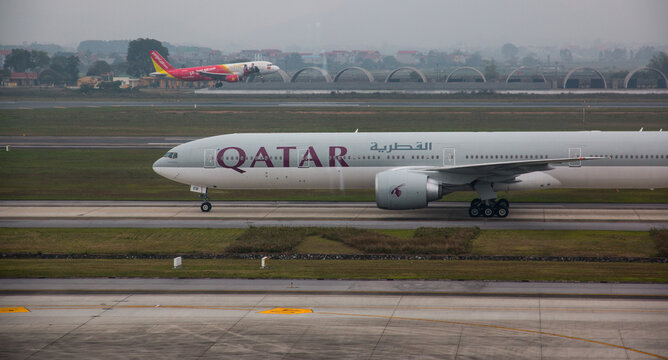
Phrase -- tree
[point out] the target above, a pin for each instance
(530, 60)
(19, 60)
(294, 61)
(659, 61)
(490, 71)
(510, 52)
(474, 60)
(39, 59)
(566, 55)
(99, 67)
(139, 57)
(50, 77)
(644, 54)
(67, 67)
(390, 62)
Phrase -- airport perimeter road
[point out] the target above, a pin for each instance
(637, 217)
(48, 104)
(339, 325)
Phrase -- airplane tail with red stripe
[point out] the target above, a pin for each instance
(159, 62)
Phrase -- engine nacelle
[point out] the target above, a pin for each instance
(403, 189)
(232, 78)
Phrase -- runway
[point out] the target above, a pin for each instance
(314, 319)
(64, 104)
(632, 217)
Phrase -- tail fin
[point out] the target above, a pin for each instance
(160, 64)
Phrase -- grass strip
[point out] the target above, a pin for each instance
(148, 121)
(340, 269)
(424, 241)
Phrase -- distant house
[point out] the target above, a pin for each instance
(21, 79)
(408, 57)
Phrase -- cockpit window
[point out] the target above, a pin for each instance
(171, 155)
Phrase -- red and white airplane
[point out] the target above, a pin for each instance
(225, 72)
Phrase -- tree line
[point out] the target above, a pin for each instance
(63, 68)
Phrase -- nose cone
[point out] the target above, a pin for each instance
(159, 166)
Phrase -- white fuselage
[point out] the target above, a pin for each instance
(352, 160)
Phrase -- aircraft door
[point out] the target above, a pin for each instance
(448, 156)
(209, 158)
(575, 153)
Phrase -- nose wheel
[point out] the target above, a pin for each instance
(206, 205)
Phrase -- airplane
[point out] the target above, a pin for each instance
(226, 72)
(410, 169)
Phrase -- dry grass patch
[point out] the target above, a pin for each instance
(432, 241)
(268, 240)
(660, 237)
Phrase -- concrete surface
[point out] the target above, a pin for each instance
(243, 214)
(56, 104)
(233, 326)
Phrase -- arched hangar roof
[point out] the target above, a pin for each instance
(420, 74)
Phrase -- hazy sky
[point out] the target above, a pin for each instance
(311, 25)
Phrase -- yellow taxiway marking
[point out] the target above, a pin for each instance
(290, 311)
(500, 328)
(19, 309)
(286, 311)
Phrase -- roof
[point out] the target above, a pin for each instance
(24, 75)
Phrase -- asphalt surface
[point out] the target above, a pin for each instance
(311, 319)
(156, 214)
(94, 142)
(48, 104)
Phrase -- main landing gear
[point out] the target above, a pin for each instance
(489, 208)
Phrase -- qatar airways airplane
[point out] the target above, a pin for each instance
(408, 170)
(225, 72)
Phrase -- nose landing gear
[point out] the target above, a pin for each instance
(204, 195)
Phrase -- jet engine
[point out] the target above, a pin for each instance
(403, 189)
(232, 78)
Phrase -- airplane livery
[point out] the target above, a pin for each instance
(408, 170)
(225, 72)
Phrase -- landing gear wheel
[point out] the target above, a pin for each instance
(474, 211)
(487, 211)
(206, 206)
(503, 203)
(501, 211)
(475, 202)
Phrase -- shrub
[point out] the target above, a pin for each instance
(267, 240)
(660, 237)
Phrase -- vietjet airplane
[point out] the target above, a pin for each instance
(225, 72)
(408, 170)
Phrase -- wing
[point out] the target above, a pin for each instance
(217, 75)
(504, 171)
